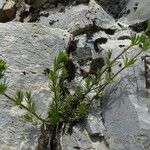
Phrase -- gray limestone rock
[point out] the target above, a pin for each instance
(126, 103)
(80, 139)
(29, 50)
(95, 126)
(126, 112)
(79, 19)
(125, 107)
(2, 2)
(136, 11)
(113, 7)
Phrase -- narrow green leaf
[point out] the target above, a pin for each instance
(135, 39)
(88, 83)
(28, 118)
(62, 57)
(3, 86)
(148, 27)
(3, 67)
(30, 103)
(131, 62)
(109, 61)
(19, 97)
(146, 45)
(108, 77)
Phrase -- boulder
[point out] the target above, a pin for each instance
(29, 50)
(78, 19)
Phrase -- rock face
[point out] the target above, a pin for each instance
(122, 122)
(126, 112)
(78, 19)
(136, 11)
(126, 105)
(81, 140)
(29, 49)
(114, 7)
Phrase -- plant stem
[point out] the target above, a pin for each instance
(105, 84)
(26, 108)
(102, 87)
(114, 60)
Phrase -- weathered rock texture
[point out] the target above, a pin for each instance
(126, 105)
(113, 7)
(78, 19)
(122, 122)
(136, 11)
(29, 49)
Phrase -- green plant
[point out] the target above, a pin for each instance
(69, 107)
